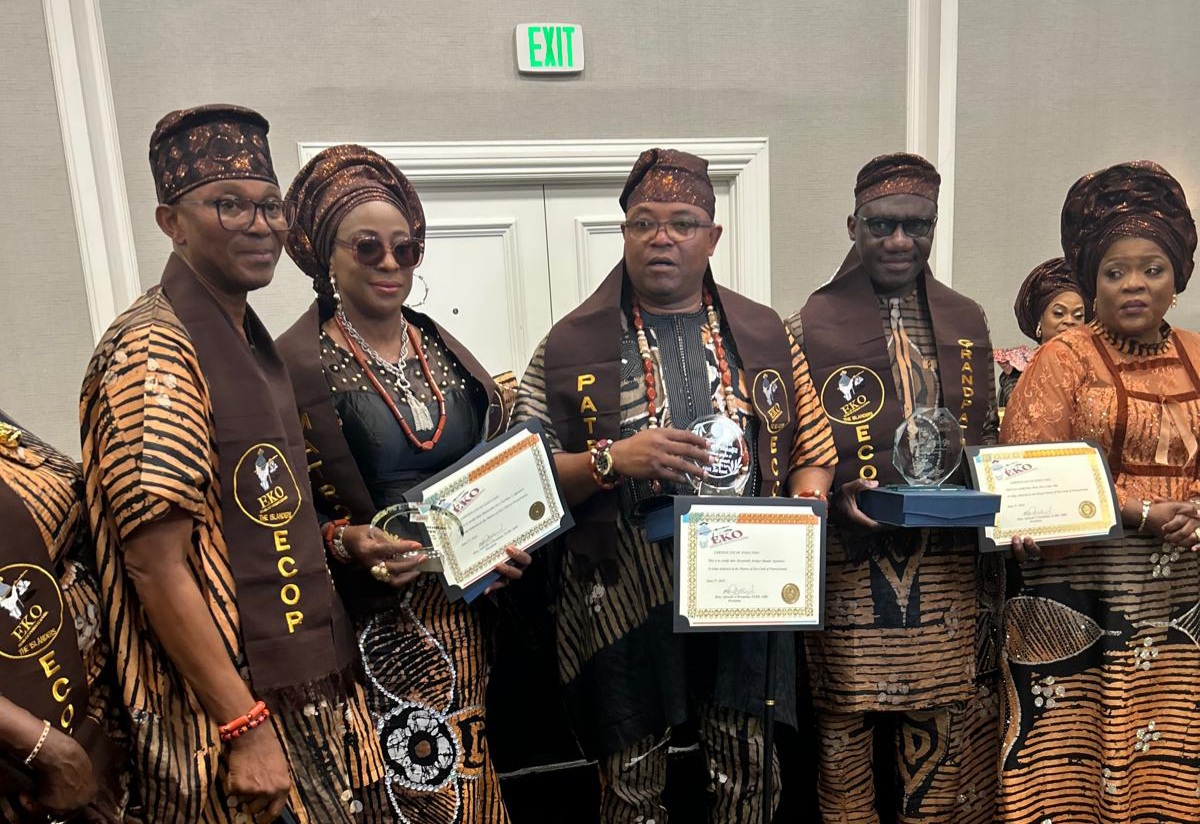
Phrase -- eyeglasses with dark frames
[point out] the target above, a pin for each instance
(678, 229)
(237, 214)
(915, 227)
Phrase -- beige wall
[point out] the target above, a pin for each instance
(1048, 91)
(45, 339)
(823, 80)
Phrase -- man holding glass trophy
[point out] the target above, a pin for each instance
(663, 383)
(902, 363)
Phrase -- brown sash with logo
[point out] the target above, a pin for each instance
(846, 347)
(583, 393)
(294, 629)
(332, 468)
(41, 669)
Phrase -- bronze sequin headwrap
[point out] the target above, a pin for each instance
(1136, 199)
(1044, 283)
(328, 188)
(191, 147)
(669, 176)
(896, 174)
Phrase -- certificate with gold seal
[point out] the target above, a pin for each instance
(749, 564)
(1055, 493)
(503, 493)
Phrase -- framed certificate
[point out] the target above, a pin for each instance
(746, 564)
(1055, 493)
(505, 492)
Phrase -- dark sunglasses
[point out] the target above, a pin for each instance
(886, 226)
(370, 251)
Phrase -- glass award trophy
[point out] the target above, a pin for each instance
(928, 447)
(927, 451)
(729, 470)
(415, 522)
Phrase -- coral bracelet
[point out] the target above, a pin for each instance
(258, 715)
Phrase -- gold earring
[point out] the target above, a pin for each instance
(1037, 333)
(337, 296)
(1174, 301)
(1095, 305)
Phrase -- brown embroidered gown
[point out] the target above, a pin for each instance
(1101, 697)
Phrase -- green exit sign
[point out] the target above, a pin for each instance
(550, 48)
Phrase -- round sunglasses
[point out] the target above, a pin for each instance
(371, 251)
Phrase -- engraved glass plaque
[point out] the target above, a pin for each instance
(730, 468)
(405, 521)
(928, 446)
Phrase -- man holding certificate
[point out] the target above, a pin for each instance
(618, 384)
(908, 645)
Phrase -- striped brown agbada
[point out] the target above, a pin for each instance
(149, 446)
(594, 617)
(911, 622)
(51, 487)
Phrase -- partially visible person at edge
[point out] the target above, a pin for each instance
(1047, 303)
(908, 649)
(616, 383)
(1102, 663)
(60, 751)
(235, 654)
(388, 399)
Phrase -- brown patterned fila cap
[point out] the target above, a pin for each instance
(896, 174)
(191, 147)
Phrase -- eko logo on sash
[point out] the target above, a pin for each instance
(852, 395)
(31, 610)
(265, 488)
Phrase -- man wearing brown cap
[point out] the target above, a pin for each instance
(616, 384)
(234, 653)
(909, 641)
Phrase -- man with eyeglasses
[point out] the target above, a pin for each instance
(911, 615)
(235, 659)
(616, 385)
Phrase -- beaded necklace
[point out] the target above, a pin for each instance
(354, 339)
(714, 328)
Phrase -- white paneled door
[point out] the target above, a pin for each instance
(583, 235)
(486, 267)
(503, 263)
(519, 232)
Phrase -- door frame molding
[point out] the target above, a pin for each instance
(743, 163)
(83, 92)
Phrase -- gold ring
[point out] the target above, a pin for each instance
(1196, 532)
(380, 572)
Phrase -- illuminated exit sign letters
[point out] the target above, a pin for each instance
(550, 48)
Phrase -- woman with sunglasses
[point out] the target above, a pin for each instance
(388, 398)
(1047, 304)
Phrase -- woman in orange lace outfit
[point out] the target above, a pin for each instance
(1102, 661)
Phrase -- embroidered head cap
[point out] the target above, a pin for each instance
(669, 176)
(191, 147)
(896, 174)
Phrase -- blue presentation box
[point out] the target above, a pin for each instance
(947, 506)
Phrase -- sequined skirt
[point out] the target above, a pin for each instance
(1101, 698)
(426, 662)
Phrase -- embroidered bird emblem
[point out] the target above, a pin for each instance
(264, 468)
(847, 383)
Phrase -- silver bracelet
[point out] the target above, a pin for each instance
(37, 748)
(1145, 514)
